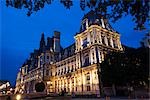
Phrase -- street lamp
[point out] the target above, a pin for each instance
(18, 97)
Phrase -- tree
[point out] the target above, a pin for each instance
(112, 9)
(146, 40)
(129, 67)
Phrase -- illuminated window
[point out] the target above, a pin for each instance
(88, 88)
(76, 89)
(88, 77)
(56, 74)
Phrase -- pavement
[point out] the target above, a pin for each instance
(13, 97)
(69, 98)
(90, 99)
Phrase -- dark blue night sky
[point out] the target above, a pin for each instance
(20, 35)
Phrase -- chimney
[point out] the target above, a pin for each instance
(56, 41)
(49, 43)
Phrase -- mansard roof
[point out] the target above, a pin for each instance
(95, 19)
(68, 51)
(3, 82)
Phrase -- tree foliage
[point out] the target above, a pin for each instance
(129, 67)
(112, 9)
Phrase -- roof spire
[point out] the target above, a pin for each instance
(42, 42)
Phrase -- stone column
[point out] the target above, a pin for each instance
(70, 67)
(67, 67)
(82, 79)
(102, 56)
(95, 38)
(119, 44)
(111, 42)
(66, 84)
(81, 43)
(77, 61)
(88, 38)
(91, 80)
(87, 24)
(95, 56)
(99, 54)
(103, 25)
(70, 84)
(91, 56)
(114, 42)
(106, 40)
(76, 43)
(79, 65)
(100, 38)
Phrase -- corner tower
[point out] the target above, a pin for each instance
(95, 29)
(95, 38)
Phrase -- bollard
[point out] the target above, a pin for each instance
(107, 98)
(142, 98)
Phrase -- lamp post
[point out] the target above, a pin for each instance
(18, 97)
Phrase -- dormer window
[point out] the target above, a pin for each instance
(97, 21)
(85, 42)
(83, 26)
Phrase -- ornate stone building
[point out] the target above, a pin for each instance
(72, 69)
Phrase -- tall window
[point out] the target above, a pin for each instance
(47, 72)
(103, 40)
(109, 42)
(86, 60)
(76, 89)
(88, 88)
(85, 42)
(88, 77)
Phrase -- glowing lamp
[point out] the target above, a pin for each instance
(18, 97)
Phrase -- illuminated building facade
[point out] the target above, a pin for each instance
(71, 69)
(4, 87)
